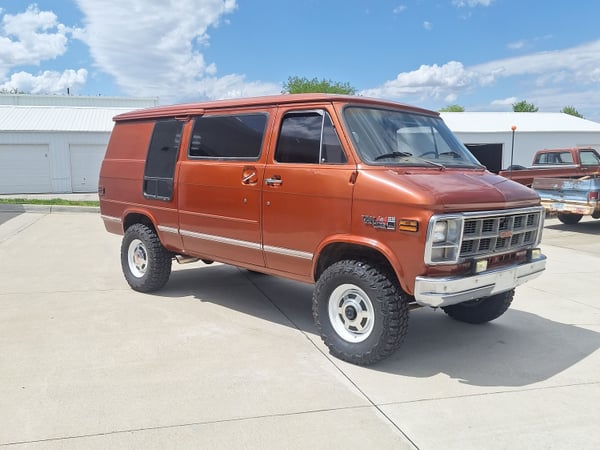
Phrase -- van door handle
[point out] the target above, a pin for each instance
(249, 175)
(275, 180)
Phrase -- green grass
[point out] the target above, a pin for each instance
(49, 201)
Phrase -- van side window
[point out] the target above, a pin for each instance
(228, 137)
(309, 137)
(161, 160)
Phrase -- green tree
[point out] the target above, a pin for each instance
(302, 85)
(572, 111)
(453, 108)
(11, 91)
(523, 106)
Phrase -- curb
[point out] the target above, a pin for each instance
(47, 209)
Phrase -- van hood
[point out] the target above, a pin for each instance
(446, 190)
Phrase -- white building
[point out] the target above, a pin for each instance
(54, 144)
(489, 135)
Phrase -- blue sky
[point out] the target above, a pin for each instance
(482, 54)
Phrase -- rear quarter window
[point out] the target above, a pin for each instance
(162, 157)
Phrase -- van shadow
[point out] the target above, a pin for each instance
(517, 349)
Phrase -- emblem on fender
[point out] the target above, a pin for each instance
(380, 222)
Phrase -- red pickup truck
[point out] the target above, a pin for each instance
(573, 162)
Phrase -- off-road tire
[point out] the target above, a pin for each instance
(357, 283)
(569, 219)
(481, 310)
(145, 262)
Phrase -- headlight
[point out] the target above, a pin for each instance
(443, 242)
(440, 231)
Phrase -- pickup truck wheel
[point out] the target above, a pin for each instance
(360, 311)
(145, 262)
(569, 219)
(481, 310)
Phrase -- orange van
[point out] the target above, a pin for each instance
(376, 203)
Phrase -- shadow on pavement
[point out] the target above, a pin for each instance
(588, 227)
(518, 349)
(6, 216)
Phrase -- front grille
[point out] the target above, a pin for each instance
(500, 233)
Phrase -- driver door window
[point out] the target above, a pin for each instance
(309, 137)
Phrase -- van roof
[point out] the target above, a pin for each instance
(189, 109)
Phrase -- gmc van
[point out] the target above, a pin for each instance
(376, 203)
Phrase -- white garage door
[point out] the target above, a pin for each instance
(85, 166)
(24, 169)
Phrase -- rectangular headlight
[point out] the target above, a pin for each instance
(443, 240)
(440, 231)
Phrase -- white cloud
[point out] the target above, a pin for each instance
(505, 101)
(433, 81)
(30, 37)
(517, 45)
(427, 25)
(47, 82)
(547, 78)
(399, 9)
(151, 47)
(471, 3)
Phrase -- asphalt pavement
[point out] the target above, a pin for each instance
(226, 358)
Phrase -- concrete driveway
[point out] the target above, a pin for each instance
(224, 358)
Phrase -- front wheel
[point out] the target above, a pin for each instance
(145, 262)
(569, 219)
(360, 311)
(481, 310)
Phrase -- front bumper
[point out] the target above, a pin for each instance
(439, 292)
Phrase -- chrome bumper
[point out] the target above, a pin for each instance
(438, 292)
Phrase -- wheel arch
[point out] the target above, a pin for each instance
(132, 217)
(339, 249)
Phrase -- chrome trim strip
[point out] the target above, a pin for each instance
(247, 244)
(221, 239)
(111, 218)
(165, 229)
(288, 252)
(440, 292)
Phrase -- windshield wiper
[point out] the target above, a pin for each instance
(392, 155)
(408, 155)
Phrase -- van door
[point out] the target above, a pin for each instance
(307, 190)
(220, 188)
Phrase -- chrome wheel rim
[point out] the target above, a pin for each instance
(137, 257)
(351, 313)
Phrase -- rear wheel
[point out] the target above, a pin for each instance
(360, 311)
(481, 310)
(569, 219)
(145, 262)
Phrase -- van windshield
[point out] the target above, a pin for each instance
(392, 137)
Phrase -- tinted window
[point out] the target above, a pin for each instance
(228, 137)
(161, 160)
(309, 137)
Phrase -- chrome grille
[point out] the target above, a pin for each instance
(500, 233)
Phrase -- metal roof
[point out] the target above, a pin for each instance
(494, 122)
(57, 118)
